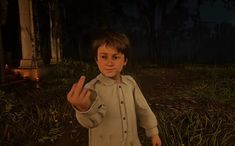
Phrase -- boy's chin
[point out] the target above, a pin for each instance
(111, 75)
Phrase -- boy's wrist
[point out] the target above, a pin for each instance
(80, 109)
(151, 132)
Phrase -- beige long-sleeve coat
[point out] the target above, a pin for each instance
(116, 108)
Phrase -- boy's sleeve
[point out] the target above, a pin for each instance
(145, 115)
(94, 115)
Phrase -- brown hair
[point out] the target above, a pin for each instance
(112, 39)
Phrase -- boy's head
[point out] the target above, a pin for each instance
(111, 39)
(110, 52)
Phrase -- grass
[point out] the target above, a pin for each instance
(215, 82)
(31, 116)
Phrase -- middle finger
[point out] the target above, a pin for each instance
(79, 86)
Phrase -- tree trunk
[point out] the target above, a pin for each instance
(55, 30)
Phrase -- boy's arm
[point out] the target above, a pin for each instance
(93, 116)
(145, 115)
(88, 106)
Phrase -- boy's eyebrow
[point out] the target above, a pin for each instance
(117, 54)
(103, 53)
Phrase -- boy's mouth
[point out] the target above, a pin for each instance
(109, 69)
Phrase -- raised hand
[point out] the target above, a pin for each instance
(79, 96)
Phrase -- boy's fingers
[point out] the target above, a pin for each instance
(83, 93)
(79, 86)
(88, 94)
(71, 91)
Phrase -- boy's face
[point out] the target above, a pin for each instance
(110, 61)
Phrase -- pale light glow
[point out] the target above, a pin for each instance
(6, 67)
(32, 74)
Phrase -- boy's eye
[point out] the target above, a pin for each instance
(103, 57)
(116, 57)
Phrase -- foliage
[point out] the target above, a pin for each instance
(212, 125)
(30, 118)
(74, 69)
(69, 71)
(30, 115)
(216, 82)
(208, 127)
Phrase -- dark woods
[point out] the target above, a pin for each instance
(162, 32)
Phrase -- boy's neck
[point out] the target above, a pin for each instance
(117, 79)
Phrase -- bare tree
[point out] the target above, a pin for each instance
(55, 27)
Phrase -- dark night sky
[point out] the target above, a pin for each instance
(217, 12)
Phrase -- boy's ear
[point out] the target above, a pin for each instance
(126, 60)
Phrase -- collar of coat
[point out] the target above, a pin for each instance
(109, 81)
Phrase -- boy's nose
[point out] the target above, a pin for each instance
(110, 62)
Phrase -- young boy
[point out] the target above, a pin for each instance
(111, 104)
